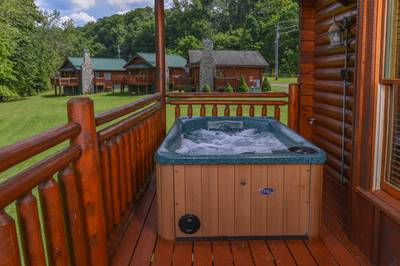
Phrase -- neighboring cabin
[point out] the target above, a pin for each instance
(104, 71)
(141, 70)
(103, 74)
(218, 68)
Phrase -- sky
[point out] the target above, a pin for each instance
(84, 11)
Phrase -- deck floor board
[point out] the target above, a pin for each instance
(141, 246)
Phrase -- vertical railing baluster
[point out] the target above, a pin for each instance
(128, 165)
(251, 110)
(215, 110)
(177, 111)
(142, 155)
(203, 110)
(264, 110)
(107, 187)
(139, 165)
(133, 162)
(239, 110)
(190, 111)
(277, 112)
(76, 232)
(9, 251)
(115, 182)
(53, 219)
(122, 173)
(227, 111)
(28, 221)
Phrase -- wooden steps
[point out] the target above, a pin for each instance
(142, 246)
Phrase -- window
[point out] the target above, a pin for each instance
(107, 76)
(392, 47)
(391, 79)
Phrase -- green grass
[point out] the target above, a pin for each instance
(283, 80)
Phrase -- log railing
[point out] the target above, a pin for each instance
(86, 192)
(126, 158)
(67, 82)
(226, 103)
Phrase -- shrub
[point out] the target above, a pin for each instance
(206, 88)
(188, 88)
(228, 88)
(265, 86)
(243, 87)
(6, 93)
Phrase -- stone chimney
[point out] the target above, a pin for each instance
(87, 73)
(208, 65)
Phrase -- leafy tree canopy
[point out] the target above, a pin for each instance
(34, 43)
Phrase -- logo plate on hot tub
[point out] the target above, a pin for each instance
(266, 191)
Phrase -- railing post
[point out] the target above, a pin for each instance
(293, 108)
(160, 60)
(81, 111)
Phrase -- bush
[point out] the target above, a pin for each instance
(188, 88)
(228, 88)
(243, 87)
(7, 94)
(206, 88)
(265, 86)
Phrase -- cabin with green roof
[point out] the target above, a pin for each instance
(107, 72)
(141, 70)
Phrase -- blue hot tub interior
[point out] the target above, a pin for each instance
(240, 140)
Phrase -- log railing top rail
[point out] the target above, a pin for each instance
(115, 113)
(127, 123)
(204, 95)
(28, 179)
(23, 150)
(225, 101)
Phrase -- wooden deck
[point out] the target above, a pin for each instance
(141, 246)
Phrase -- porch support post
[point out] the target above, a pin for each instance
(160, 60)
(81, 111)
(293, 108)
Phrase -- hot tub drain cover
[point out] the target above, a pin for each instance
(302, 150)
(189, 224)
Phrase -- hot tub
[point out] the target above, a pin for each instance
(228, 177)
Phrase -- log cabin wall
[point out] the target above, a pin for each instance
(321, 97)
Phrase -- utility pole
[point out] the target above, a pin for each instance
(119, 52)
(277, 51)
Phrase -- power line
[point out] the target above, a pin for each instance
(285, 21)
(285, 32)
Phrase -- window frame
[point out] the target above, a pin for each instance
(389, 85)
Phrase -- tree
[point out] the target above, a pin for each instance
(265, 86)
(243, 87)
(206, 88)
(228, 88)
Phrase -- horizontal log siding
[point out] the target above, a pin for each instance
(327, 103)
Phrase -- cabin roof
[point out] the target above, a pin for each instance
(173, 60)
(99, 64)
(231, 58)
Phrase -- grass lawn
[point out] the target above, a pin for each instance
(282, 80)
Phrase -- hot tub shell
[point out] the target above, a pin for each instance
(251, 195)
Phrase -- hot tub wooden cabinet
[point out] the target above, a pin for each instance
(239, 196)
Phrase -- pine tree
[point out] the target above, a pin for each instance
(265, 86)
(206, 88)
(243, 87)
(228, 88)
